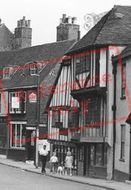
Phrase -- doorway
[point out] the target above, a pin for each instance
(30, 144)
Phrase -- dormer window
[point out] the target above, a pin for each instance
(33, 69)
(6, 73)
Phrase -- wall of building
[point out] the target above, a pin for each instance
(113, 50)
(123, 110)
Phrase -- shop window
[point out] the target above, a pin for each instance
(17, 136)
(99, 154)
(17, 102)
(81, 154)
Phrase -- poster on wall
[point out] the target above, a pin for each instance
(15, 102)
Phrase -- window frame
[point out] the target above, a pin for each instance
(15, 145)
(16, 110)
(123, 138)
(82, 64)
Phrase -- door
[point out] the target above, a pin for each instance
(89, 158)
(30, 144)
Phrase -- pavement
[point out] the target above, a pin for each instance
(29, 167)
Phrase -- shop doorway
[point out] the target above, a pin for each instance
(30, 145)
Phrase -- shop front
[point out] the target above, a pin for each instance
(92, 160)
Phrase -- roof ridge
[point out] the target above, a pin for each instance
(40, 45)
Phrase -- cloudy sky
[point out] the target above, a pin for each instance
(45, 14)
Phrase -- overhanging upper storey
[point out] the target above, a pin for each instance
(89, 70)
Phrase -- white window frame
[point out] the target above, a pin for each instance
(16, 94)
(17, 144)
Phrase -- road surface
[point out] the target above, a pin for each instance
(17, 179)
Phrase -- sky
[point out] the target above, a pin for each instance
(45, 14)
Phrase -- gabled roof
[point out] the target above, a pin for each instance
(21, 78)
(113, 29)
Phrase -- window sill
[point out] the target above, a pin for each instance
(122, 160)
(17, 113)
(123, 97)
(17, 148)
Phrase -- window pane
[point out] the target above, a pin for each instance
(99, 161)
(122, 141)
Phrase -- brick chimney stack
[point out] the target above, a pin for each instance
(23, 34)
(68, 29)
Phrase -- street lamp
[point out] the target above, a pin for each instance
(37, 125)
(129, 122)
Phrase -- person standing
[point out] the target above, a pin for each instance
(53, 162)
(43, 155)
(69, 163)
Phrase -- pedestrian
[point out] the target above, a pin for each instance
(68, 163)
(53, 162)
(43, 155)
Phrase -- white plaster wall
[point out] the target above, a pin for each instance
(123, 109)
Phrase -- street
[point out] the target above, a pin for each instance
(17, 179)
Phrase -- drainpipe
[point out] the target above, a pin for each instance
(114, 113)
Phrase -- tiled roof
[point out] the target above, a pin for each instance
(35, 53)
(21, 78)
(113, 29)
